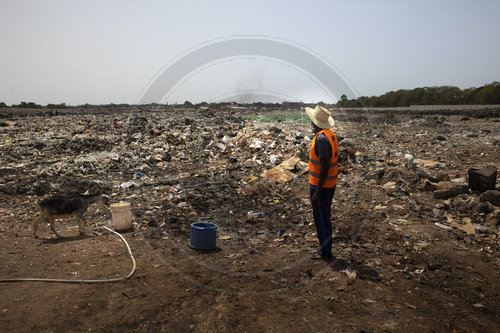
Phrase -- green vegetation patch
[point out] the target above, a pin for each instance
(278, 117)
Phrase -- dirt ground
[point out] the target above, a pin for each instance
(394, 269)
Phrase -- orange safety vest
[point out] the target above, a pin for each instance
(315, 166)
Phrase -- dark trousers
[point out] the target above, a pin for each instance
(322, 219)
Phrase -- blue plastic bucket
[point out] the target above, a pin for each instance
(203, 236)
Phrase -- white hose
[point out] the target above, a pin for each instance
(84, 281)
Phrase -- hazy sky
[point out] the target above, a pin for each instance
(99, 52)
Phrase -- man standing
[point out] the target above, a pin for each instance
(323, 171)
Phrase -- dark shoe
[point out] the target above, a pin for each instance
(316, 256)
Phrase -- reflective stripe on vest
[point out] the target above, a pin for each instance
(315, 164)
(332, 165)
(316, 175)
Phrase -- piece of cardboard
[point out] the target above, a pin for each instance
(279, 175)
(466, 227)
(289, 164)
(282, 174)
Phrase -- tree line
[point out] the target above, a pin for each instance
(445, 95)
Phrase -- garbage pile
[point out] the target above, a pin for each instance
(178, 166)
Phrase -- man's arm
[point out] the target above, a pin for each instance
(323, 173)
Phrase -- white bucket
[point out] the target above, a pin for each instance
(121, 216)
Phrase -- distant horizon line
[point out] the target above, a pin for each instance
(236, 105)
(63, 104)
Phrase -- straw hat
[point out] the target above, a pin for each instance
(320, 116)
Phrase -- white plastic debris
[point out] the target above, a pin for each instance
(409, 160)
(220, 146)
(257, 144)
(273, 159)
(128, 184)
(442, 226)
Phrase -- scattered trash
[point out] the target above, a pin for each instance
(257, 144)
(466, 226)
(252, 214)
(413, 307)
(273, 158)
(129, 184)
(421, 243)
(423, 174)
(482, 179)
(481, 229)
(450, 192)
(442, 226)
(351, 274)
(281, 173)
(491, 196)
(249, 179)
(221, 146)
(409, 161)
